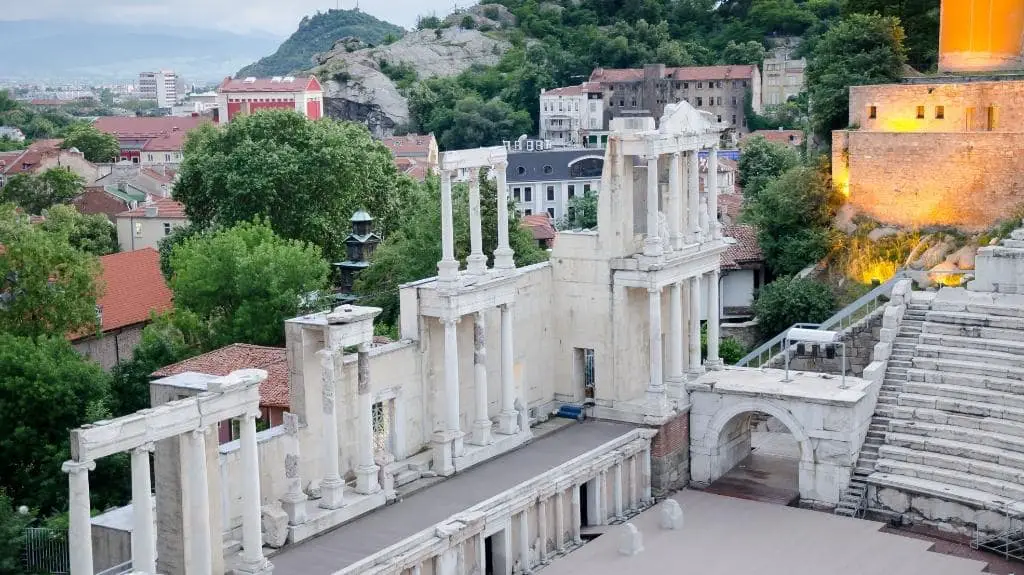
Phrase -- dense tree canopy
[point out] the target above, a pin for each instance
(861, 49)
(920, 21)
(37, 192)
(47, 286)
(789, 300)
(97, 146)
(413, 250)
(246, 281)
(306, 177)
(761, 162)
(91, 233)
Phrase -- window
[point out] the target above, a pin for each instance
(527, 194)
(700, 85)
(551, 193)
(167, 228)
(561, 106)
(686, 85)
(547, 169)
(734, 101)
(586, 189)
(920, 112)
(138, 229)
(719, 100)
(734, 119)
(744, 83)
(593, 106)
(993, 117)
(527, 212)
(969, 117)
(940, 112)
(517, 193)
(551, 213)
(584, 370)
(167, 157)
(700, 101)
(587, 168)
(719, 84)
(719, 118)
(622, 102)
(572, 191)
(520, 170)
(634, 103)
(529, 145)
(149, 157)
(872, 112)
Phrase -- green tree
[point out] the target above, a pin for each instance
(477, 123)
(750, 52)
(762, 162)
(412, 252)
(167, 244)
(920, 21)
(9, 145)
(96, 145)
(12, 536)
(91, 233)
(306, 177)
(792, 215)
(246, 281)
(789, 300)
(47, 286)
(582, 213)
(46, 389)
(860, 49)
(35, 193)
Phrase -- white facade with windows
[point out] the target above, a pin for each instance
(161, 87)
(544, 181)
(783, 76)
(567, 114)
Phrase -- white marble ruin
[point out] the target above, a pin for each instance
(671, 515)
(631, 541)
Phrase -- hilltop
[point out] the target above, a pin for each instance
(318, 34)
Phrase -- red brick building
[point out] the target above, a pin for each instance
(303, 94)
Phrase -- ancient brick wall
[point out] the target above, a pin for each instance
(670, 455)
(967, 180)
(964, 107)
(860, 339)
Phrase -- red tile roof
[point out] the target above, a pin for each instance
(220, 362)
(133, 287)
(164, 177)
(172, 142)
(27, 160)
(688, 73)
(730, 205)
(745, 250)
(298, 84)
(143, 128)
(409, 145)
(584, 88)
(540, 225)
(166, 208)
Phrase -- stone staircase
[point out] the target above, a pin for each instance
(956, 431)
(852, 503)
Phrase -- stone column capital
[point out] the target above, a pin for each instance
(449, 320)
(147, 447)
(256, 414)
(325, 354)
(500, 165)
(74, 467)
(654, 290)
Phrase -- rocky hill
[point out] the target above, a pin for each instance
(319, 34)
(367, 75)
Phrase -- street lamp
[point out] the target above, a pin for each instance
(823, 337)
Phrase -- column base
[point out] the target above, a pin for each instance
(448, 274)
(476, 265)
(694, 373)
(295, 508)
(714, 364)
(695, 237)
(675, 387)
(447, 446)
(657, 404)
(653, 246)
(481, 433)
(261, 567)
(503, 259)
(366, 479)
(508, 423)
(332, 493)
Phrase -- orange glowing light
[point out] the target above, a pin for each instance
(979, 35)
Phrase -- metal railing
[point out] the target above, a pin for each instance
(1008, 542)
(844, 318)
(121, 569)
(46, 551)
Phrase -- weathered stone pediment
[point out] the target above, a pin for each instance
(682, 118)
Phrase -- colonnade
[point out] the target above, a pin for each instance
(701, 210)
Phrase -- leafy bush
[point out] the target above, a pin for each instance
(428, 23)
(730, 350)
(468, 22)
(492, 13)
(790, 300)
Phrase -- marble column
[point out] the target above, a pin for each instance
(676, 351)
(199, 508)
(657, 399)
(705, 230)
(294, 500)
(713, 361)
(524, 542)
(416, 570)
(602, 497)
(449, 441)
(476, 263)
(143, 536)
(482, 423)
(696, 369)
(645, 475)
(715, 229)
(481, 553)
(448, 267)
(253, 560)
(693, 197)
(676, 199)
(367, 481)
(542, 529)
(634, 483)
(560, 521)
(503, 254)
(332, 487)
(508, 422)
(79, 512)
(577, 516)
(652, 243)
(617, 490)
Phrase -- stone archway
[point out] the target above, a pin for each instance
(710, 458)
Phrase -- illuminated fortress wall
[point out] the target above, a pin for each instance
(980, 35)
(964, 169)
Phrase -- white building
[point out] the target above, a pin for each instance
(543, 179)
(161, 87)
(12, 134)
(567, 114)
(783, 76)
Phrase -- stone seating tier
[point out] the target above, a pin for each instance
(1014, 386)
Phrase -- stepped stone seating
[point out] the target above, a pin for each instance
(953, 453)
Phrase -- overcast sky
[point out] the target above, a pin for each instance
(279, 17)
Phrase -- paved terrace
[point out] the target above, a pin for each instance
(729, 536)
(385, 527)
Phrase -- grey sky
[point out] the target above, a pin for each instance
(276, 16)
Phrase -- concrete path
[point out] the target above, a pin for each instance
(384, 527)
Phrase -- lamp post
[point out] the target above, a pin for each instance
(816, 336)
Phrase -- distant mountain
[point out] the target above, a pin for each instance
(318, 34)
(50, 49)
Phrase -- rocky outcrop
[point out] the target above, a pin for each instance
(356, 75)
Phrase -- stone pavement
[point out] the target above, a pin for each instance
(385, 527)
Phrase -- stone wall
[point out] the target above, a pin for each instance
(967, 180)
(111, 348)
(860, 339)
(896, 107)
(748, 333)
(670, 455)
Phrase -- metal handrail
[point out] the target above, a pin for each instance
(125, 567)
(838, 319)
